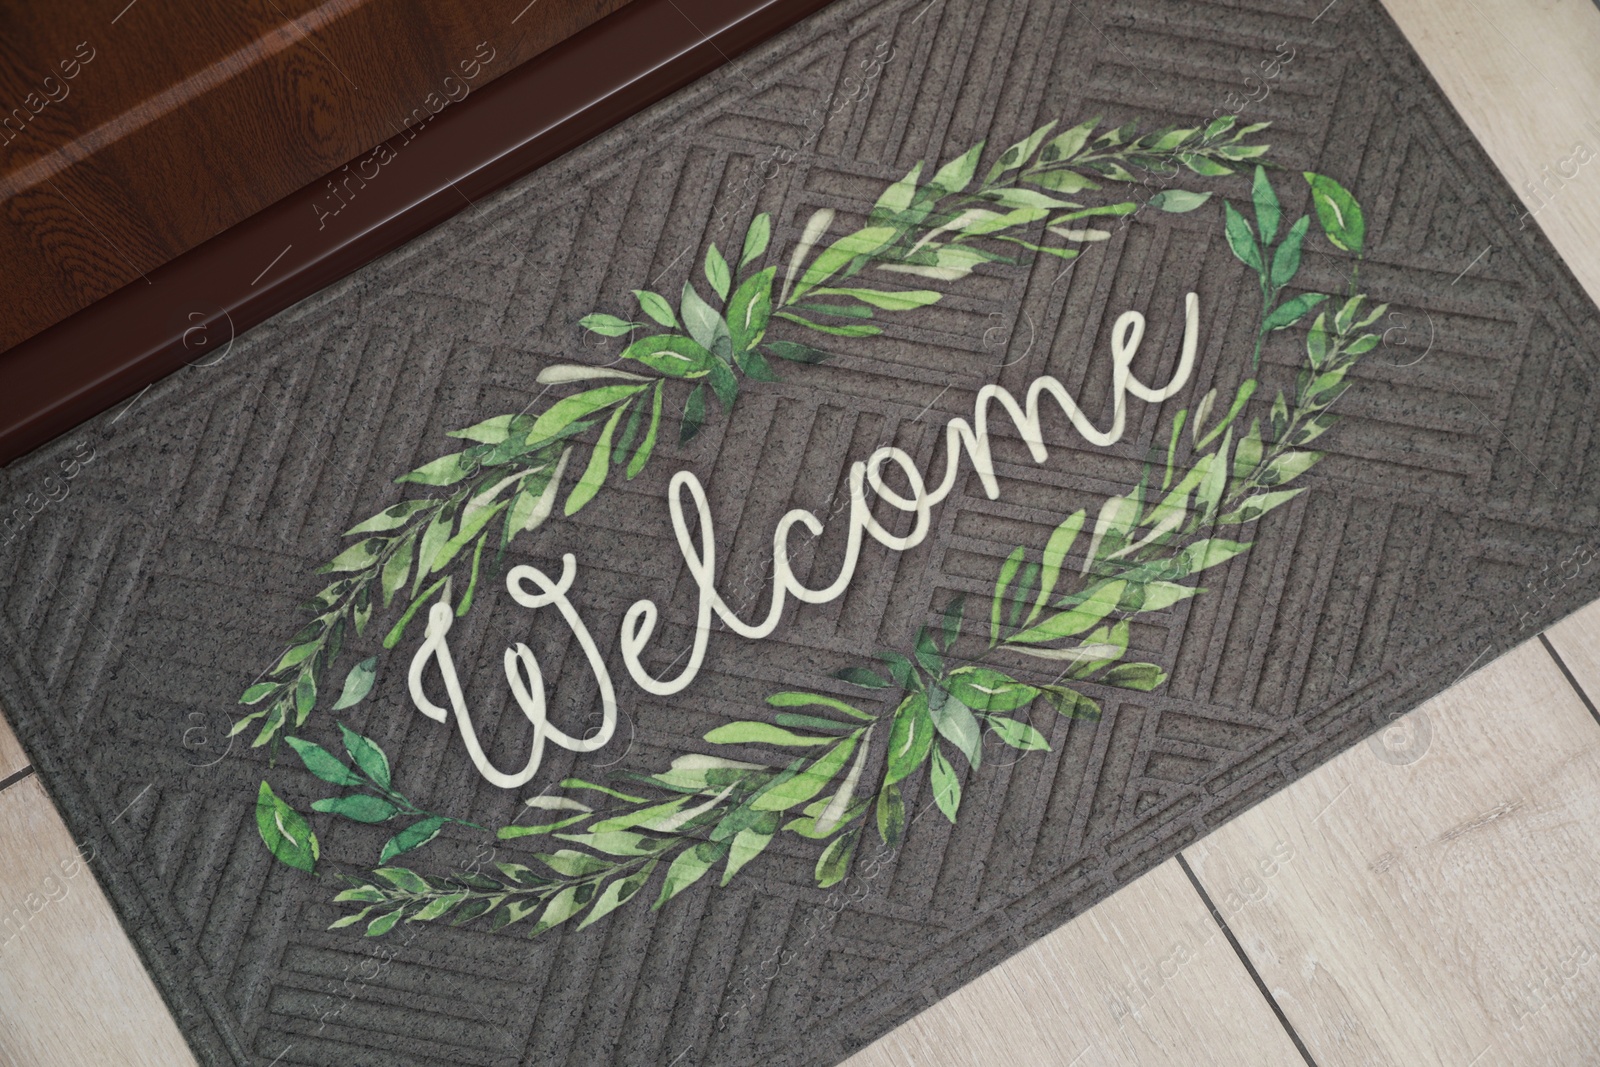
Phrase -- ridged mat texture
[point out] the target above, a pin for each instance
(160, 560)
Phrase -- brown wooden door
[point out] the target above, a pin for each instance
(132, 131)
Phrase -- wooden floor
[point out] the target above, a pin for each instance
(1430, 897)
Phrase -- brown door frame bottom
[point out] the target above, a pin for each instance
(184, 311)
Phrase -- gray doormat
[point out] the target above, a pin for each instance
(488, 763)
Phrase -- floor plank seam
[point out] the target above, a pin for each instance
(1567, 673)
(1249, 967)
(12, 779)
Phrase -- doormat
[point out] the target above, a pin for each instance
(736, 585)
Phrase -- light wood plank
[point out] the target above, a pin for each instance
(1523, 74)
(1577, 639)
(1439, 911)
(1144, 977)
(72, 989)
(12, 758)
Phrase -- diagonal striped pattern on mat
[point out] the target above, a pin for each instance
(144, 600)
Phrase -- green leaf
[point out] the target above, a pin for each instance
(414, 836)
(1071, 703)
(259, 692)
(630, 432)
(569, 410)
(434, 539)
(285, 831)
(796, 352)
(1338, 212)
(1101, 600)
(1008, 570)
(1268, 211)
(563, 906)
(723, 384)
(704, 324)
(1177, 201)
(1021, 592)
(367, 755)
(1203, 554)
(1068, 144)
(655, 305)
(359, 806)
(1253, 507)
(689, 867)
(957, 174)
(717, 273)
(669, 353)
(392, 517)
(956, 724)
(1055, 555)
(761, 733)
(789, 792)
(862, 677)
(437, 907)
(572, 863)
(1141, 676)
(1203, 165)
(606, 325)
(950, 624)
(493, 431)
(927, 654)
(750, 310)
(1218, 127)
(369, 894)
(508, 833)
(1019, 153)
(888, 300)
(1288, 466)
(446, 470)
(756, 238)
(897, 197)
(1156, 595)
(694, 414)
(357, 557)
(384, 923)
(746, 846)
(1021, 198)
(946, 785)
(1286, 260)
(985, 690)
(648, 446)
(902, 670)
(1241, 238)
(835, 257)
(801, 700)
(1018, 735)
(617, 893)
(322, 763)
(1063, 181)
(837, 331)
(594, 475)
(891, 815)
(810, 722)
(834, 863)
(1248, 455)
(1291, 311)
(910, 738)
(358, 683)
(397, 568)
(947, 264)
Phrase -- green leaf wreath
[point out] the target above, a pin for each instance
(808, 768)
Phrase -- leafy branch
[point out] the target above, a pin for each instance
(703, 811)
